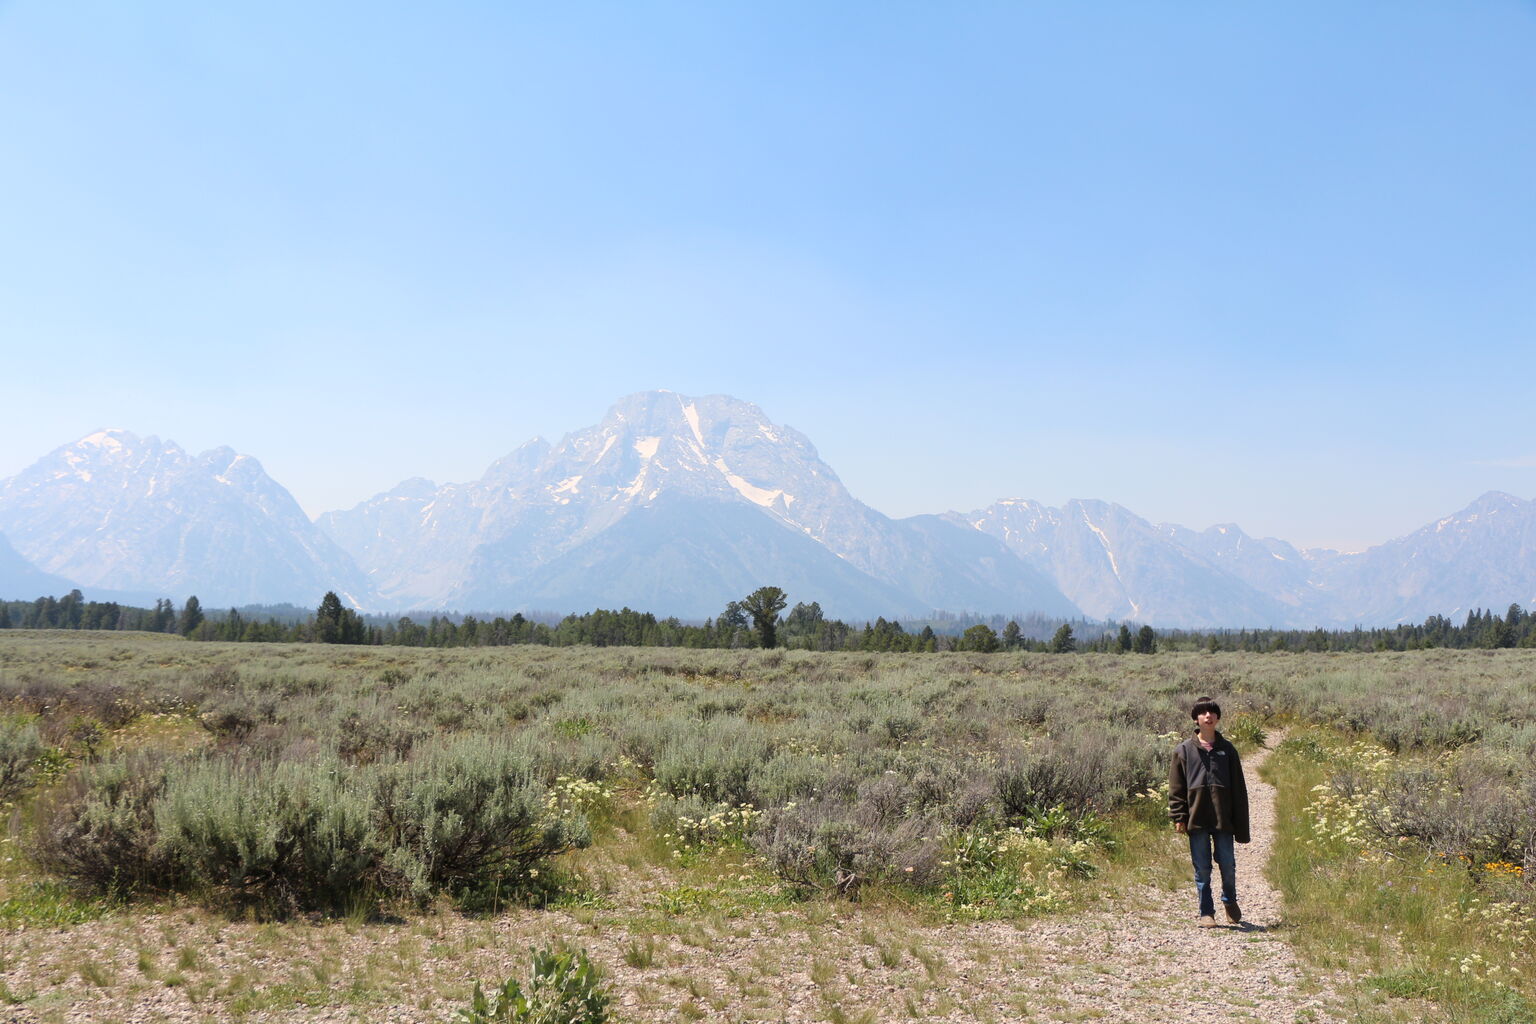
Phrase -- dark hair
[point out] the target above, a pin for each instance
(1203, 705)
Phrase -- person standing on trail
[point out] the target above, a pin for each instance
(1208, 802)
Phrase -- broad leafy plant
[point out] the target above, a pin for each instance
(565, 988)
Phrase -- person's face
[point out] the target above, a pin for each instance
(1207, 720)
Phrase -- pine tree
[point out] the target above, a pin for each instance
(1012, 636)
(1063, 642)
(71, 610)
(328, 619)
(191, 616)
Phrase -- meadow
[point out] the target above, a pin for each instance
(293, 832)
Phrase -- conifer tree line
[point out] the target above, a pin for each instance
(757, 620)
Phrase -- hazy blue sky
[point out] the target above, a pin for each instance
(1266, 264)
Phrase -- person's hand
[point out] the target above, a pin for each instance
(1181, 828)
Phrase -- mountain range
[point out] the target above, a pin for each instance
(678, 505)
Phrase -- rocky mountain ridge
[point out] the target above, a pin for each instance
(677, 505)
(118, 512)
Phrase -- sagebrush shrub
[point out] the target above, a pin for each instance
(788, 775)
(853, 835)
(1474, 809)
(464, 815)
(716, 763)
(99, 827)
(373, 733)
(20, 747)
(308, 832)
(1097, 777)
(281, 836)
(233, 714)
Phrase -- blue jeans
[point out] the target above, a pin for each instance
(1201, 840)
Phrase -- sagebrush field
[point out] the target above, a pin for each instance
(313, 832)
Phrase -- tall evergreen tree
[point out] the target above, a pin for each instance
(191, 616)
(1064, 642)
(71, 610)
(927, 641)
(328, 619)
(803, 623)
(1012, 636)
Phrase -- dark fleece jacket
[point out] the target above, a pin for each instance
(1206, 788)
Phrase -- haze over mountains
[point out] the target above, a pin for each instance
(678, 505)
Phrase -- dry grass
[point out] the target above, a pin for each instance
(709, 935)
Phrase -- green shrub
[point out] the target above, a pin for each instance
(99, 827)
(1247, 732)
(843, 841)
(467, 815)
(1471, 806)
(20, 747)
(280, 836)
(373, 733)
(715, 762)
(565, 988)
(1101, 777)
(688, 822)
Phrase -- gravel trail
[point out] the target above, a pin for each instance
(1156, 965)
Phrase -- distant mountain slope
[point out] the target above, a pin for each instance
(542, 528)
(679, 504)
(1269, 566)
(21, 580)
(960, 569)
(1481, 557)
(117, 511)
(686, 556)
(1115, 565)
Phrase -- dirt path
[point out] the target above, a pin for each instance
(1157, 965)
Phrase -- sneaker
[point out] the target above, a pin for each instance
(1234, 912)
(1207, 921)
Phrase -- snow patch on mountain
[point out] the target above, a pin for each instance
(691, 414)
(636, 485)
(757, 495)
(1109, 549)
(104, 439)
